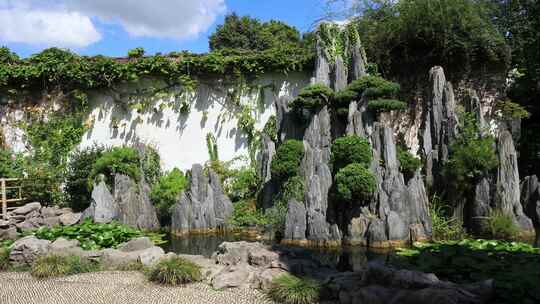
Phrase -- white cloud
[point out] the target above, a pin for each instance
(178, 19)
(69, 23)
(45, 27)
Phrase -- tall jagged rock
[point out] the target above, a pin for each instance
(398, 211)
(202, 208)
(265, 156)
(508, 187)
(133, 202)
(530, 199)
(128, 204)
(439, 125)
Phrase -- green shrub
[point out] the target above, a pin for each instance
(11, 164)
(131, 266)
(312, 97)
(175, 271)
(165, 193)
(351, 149)
(122, 160)
(136, 53)
(150, 165)
(408, 164)
(286, 162)
(385, 105)
(94, 236)
(471, 154)
(511, 110)
(374, 87)
(343, 98)
(445, 227)
(58, 265)
(289, 289)
(242, 183)
(501, 225)
(271, 128)
(76, 182)
(354, 182)
(293, 188)
(246, 214)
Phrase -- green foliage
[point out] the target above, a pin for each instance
(339, 42)
(246, 122)
(7, 56)
(286, 162)
(501, 225)
(165, 193)
(471, 154)
(445, 227)
(11, 164)
(175, 271)
(59, 265)
(514, 266)
(94, 236)
(211, 144)
(52, 138)
(351, 149)
(408, 164)
(55, 68)
(511, 110)
(289, 289)
(150, 164)
(312, 97)
(246, 214)
(242, 183)
(76, 179)
(250, 34)
(374, 87)
(409, 37)
(293, 188)
(271, 128)
(354, 182)
(385, 105)
(121, 160)
(136, 53)
(343, 98)
(4, 258)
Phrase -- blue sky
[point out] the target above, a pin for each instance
(99, 27)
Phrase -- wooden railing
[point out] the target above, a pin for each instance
(11, 192)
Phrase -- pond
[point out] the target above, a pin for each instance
(344, 258)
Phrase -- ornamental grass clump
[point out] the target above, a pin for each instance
(58, 265)
(175, 271)
(4, 259)
(501, 226)
(289, 289)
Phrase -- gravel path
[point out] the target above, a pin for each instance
(114, 287)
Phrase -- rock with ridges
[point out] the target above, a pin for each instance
(27, 208)
(295, 222)
(70, 218)
(530, 199)
(27, 249)
(102, 208)
(136, 244)
(133, 203)
(204, 207)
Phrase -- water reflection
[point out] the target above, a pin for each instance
(343, 259)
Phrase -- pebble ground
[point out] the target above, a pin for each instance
(114, 287)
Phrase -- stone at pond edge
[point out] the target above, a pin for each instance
(137, 244)
(24, 251)
(70, 218)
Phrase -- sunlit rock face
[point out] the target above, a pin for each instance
(203, 207)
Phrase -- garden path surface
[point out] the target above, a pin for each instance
(114, 287)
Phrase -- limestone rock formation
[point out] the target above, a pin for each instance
(129, 204)
(398, 211)
(530, 199)
(268, 150)
(439, 125)
(202, 208)
(24, 251)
